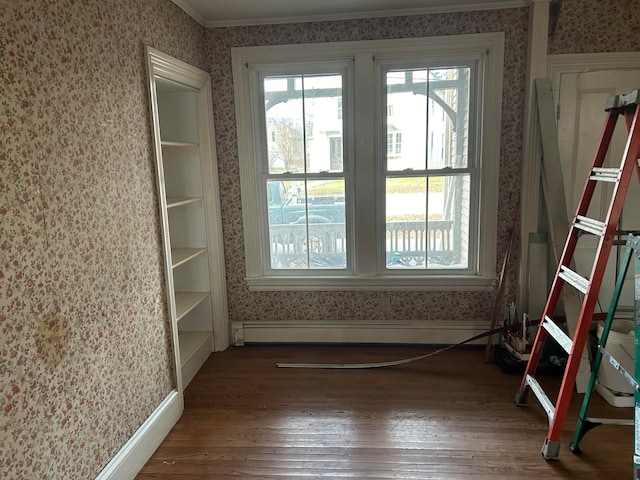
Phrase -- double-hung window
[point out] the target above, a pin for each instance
(370, 165)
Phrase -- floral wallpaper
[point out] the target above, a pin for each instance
(85, 355)
(594, 26)
(305, 306)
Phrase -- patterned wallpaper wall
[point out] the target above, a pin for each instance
(594, 26)
(84, 341)
(84, 348)
(304, 306)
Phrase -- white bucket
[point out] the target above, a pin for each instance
(620, 344)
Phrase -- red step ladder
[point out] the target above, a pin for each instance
(625, 106)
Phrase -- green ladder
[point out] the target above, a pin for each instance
(587, 423)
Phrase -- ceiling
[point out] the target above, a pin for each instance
(225, 13)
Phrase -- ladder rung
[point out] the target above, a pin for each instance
(605, 174)
(578, 281)
(558, 335)
(615, 364)
(541, 396)
(590, 225)
(610, 421)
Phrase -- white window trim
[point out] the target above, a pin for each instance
(489, 45)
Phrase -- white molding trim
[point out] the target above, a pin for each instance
(134, 454)
(401, 283)
(560, 64)
(531, 149)
(351, 332)
(161, 65)
(468, 7)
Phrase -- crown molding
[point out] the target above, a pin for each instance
(495, 5)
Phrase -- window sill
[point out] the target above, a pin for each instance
(379, 283)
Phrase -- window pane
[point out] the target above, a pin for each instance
(307, 224)
(335, 154)
(427, 222)
(428, 109)
(449, 117)
(406, 119)
(284, 124)
(323, 122)
(303, 113)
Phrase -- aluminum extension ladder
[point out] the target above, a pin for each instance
(625, 106)
(585, 423)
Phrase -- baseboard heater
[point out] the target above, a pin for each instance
(412, 332)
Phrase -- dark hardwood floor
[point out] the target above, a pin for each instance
(446, 417)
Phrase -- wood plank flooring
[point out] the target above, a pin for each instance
(446, 417)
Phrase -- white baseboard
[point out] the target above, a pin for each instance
(139, 448)
(424, 333)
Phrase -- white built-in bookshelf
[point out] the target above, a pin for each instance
(190, 211)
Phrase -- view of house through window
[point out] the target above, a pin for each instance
(427, 176)
(305, 180)
(364, 163)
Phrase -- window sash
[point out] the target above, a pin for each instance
(402, 73)
(268, 256)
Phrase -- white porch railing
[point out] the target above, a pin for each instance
(408, 244)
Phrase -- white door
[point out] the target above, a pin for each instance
(581, 99)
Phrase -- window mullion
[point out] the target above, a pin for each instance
(365, 251)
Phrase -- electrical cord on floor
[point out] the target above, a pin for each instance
(503, 329)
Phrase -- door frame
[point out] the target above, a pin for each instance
(597, 63)
(557, 65)
(560, 64)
